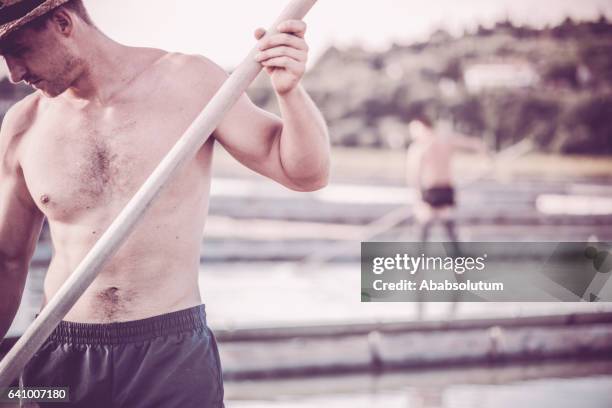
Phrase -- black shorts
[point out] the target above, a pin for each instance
(164, 361)
(438, 197)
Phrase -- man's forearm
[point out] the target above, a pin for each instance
(304, 146)
(13, 281)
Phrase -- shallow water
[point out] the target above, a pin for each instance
(560, 385)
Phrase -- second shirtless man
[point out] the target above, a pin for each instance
(75, 152)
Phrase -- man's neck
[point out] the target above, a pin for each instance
(104, 72)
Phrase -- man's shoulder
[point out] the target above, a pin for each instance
(18, 119)
(196, 64)
(192, 72)
(15, 124)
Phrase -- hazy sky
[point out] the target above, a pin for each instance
(222, 29)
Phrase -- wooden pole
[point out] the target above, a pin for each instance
(183, 151)
(398, 215)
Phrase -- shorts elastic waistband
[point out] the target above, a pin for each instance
(132, 331)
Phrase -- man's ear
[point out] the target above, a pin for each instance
(62, 21)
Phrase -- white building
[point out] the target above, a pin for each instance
(500, 74)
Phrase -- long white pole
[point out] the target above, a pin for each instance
(184, 150)
(398, 215)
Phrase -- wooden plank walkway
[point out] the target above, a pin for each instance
(266, 353)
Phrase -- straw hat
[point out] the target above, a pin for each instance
(14, 14)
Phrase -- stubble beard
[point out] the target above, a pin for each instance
(66, 76)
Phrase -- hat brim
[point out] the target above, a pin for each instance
(39, 11)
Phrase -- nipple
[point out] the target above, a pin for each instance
(45, 199)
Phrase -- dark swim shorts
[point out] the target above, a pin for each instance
(438, 197)
(164, 361)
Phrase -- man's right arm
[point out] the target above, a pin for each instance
(464, 142)
(20, 221)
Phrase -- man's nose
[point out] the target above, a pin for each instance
(17, 71)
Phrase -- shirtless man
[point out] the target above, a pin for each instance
(429, 160)
(76, 151)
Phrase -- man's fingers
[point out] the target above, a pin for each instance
(295, 27)
(281, 51)
(288, 40)
(285, 50)
(283, 62)
(259, 33)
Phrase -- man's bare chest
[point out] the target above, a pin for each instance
(76, 163)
